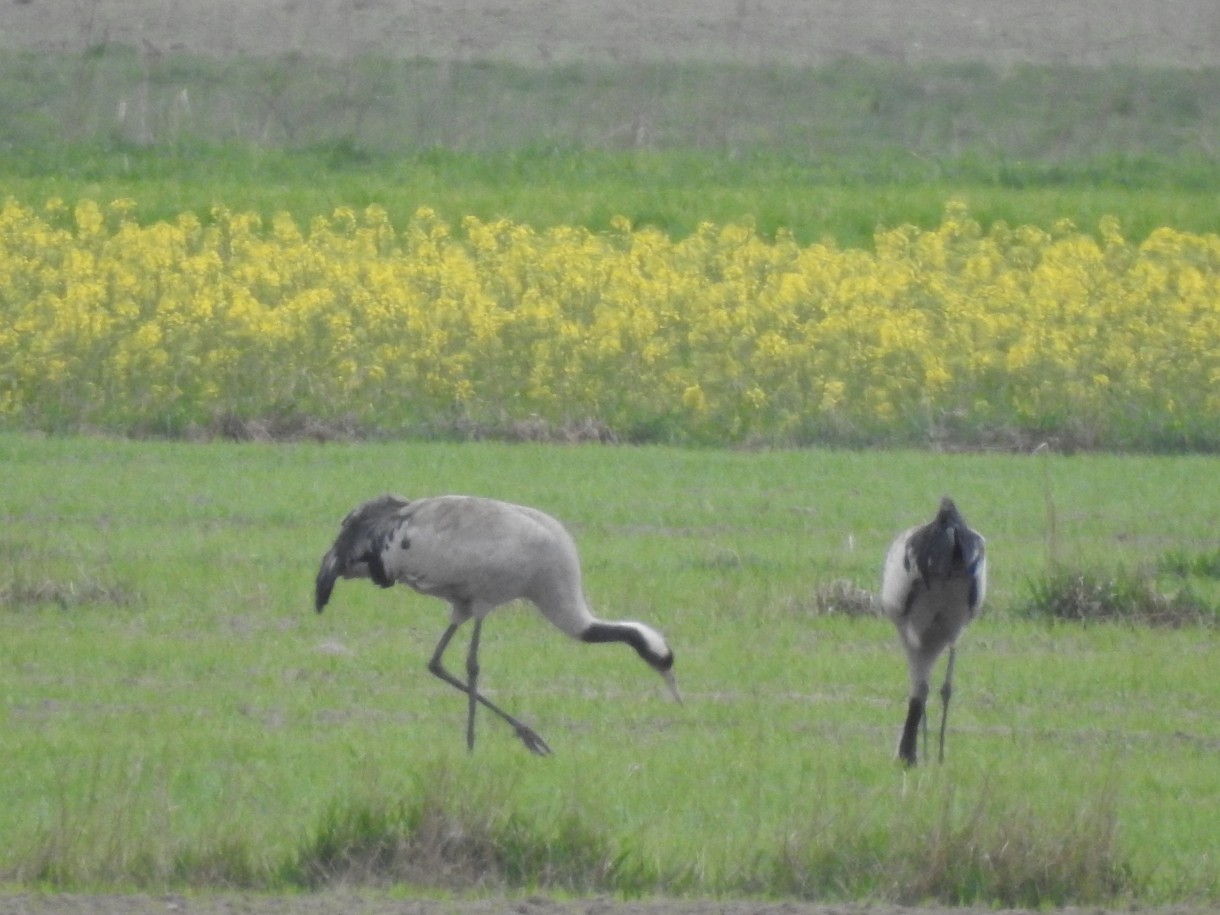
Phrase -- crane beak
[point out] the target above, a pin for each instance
(672, 683)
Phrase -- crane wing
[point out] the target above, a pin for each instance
(899, 575)
(461, 548)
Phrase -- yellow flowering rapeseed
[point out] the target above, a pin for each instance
(720, 336)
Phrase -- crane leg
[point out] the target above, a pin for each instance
(436, 667)
(910, 731)
(923, 725)
(472, 681)
(946, 690)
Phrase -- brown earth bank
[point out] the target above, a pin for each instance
(374, 904)
(1182, 33)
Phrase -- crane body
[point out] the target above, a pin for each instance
(933, 584)
(478, 554)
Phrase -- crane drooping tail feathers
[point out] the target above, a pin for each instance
(933, 584)
(478, 554)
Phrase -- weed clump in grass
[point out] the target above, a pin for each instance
(383, 842)
(1184, 564)
(1014, 858)
(839, 598)
(229, 863)
(936, 849)
(33, 576)
(446, 839)
(24, 592)
(1126, 596)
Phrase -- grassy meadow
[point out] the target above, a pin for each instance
(175, 714)
(670, 190)
(829, 152)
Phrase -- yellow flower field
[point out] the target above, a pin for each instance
(724, 336)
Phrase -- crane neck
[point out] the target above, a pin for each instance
(646, 641)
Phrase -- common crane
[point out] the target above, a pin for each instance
(478, 554)
(932, 586)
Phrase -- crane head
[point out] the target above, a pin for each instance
(356, 552)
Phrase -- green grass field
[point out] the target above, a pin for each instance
(831, 152)
(175, 714)
(674, 191)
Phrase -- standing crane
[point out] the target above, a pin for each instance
(478, 554)
(932, 586)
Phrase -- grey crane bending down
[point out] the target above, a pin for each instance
(933, 584)
(477, 554)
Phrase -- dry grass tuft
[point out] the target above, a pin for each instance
(26, 593)
(839, 597)
(32, 576)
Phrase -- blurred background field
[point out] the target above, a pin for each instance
(1088, 33)
(826, 120)
(804, 122)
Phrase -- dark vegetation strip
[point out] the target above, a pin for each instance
(442, 839)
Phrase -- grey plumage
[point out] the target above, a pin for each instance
(933, 584)
(477, 554)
